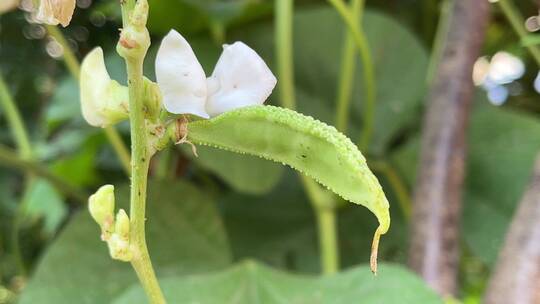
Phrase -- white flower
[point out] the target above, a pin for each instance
(241, 78)
(104, 101)
(55, 12)
(8, 5)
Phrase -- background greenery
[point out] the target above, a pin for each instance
(225, 226)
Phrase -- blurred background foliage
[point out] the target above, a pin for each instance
(209, 212)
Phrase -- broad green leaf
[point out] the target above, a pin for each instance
(244, 173)
(399, 59)
(280, 229)
(184, 234)
(502, 147)
(305, 144)
(250, 282)
(43, 202)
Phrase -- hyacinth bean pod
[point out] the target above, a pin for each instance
(303, 143)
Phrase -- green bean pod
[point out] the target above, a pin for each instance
(305, 144)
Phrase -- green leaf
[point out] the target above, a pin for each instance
(399, 59)
(250, 282)
(502, 147)
(244, 173)
(42, 201)
(305, 144)
(184, 234)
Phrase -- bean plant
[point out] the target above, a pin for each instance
(224, 111)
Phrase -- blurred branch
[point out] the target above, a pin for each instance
(518, 23)
(324, 205)
(10, 159)
(16, 125)
(346, 77)
(74, 68)
(516, 277)
(69, 58)
(284, 47)
(439, 41)
(361, 43)
(397, 184)
(20, 135)
(434, 250)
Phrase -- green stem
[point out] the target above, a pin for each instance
(361, 43)
(15, 121)
(397, 184)
(284, 47)
(119, 147)
(69, 57)
(24, 148)
(140, 160)
(440, 39)
(10, 159)
(323, 204)
(518, 23)
(74, 68)
(346, 78)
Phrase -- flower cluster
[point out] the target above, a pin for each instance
(240, 78)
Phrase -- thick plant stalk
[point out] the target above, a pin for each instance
(323, 204)
(434, 250)
(134, 51)
(516, 278)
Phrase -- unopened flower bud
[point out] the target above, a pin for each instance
(101, 204)
(121, 227)
(55, 12)
(104, 101)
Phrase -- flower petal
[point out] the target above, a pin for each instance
(103, 101)
(180, 77)
(241, 78)
(55, 11)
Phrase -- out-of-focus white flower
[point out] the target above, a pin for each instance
(55, 12)
(8, 5)
(505, 68)
(241, 78)
(104, 101)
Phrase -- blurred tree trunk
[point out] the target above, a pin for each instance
(434, 251)
(516, 278)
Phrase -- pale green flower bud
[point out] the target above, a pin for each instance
(121, 227)
(104, 101)
(119, 248)
(134, 38)
(101, 206)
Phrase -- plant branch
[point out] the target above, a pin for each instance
(397, 184)
(361, 43)
(74, 68)
(346, 78)
(10, 159)
(284, 47)
(518, 24)
(516, 276)
(140, 158)
(324, 206)
(434, 251)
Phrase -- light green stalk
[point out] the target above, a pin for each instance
(361, 43)
(346, 78)
(518, 24)
(323, 204)
(134, 56)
